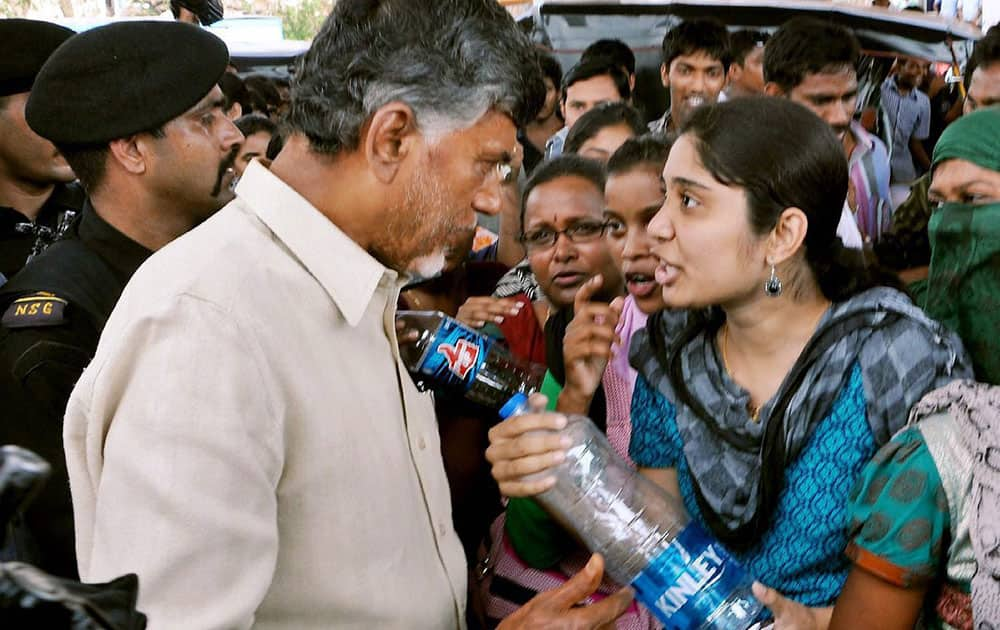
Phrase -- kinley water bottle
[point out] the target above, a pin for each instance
(451, 356)
(679, 572)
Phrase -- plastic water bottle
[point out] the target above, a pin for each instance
(450, 356)
(679, 572)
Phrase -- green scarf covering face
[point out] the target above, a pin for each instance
(963, 285)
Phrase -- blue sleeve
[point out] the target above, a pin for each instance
(655, 442)
(923, 130)
(880, 162)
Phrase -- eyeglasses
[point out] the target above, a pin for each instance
(505, 172)
(584, 232)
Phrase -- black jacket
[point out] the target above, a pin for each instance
(53, 313)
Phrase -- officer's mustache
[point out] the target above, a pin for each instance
(224, 166)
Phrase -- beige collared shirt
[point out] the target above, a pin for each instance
(247, 441)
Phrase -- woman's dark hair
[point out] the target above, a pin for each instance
(601, 117)
(784, 156)
(650, 148)
(564, 166)
(550, 67)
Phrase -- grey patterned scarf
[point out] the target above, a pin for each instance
(738, 465)
(976, 410)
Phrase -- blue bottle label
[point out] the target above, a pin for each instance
(689, 580)
(454, 355)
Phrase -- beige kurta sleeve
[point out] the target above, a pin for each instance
(175, 450)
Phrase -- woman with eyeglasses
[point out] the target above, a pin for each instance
(569, 246)
(793, 365)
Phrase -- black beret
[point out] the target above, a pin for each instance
(24, 47)
(123, 78)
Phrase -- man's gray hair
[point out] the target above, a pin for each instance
(450, 61)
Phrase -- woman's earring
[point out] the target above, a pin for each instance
(772, 288)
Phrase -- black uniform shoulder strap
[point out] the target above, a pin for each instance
(70, 271)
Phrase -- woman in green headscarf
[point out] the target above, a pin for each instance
(963, 285)
(925, 515)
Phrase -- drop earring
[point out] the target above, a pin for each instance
(772, 288)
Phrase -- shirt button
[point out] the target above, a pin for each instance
(442, 529)
(421, 443)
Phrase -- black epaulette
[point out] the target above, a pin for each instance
(35, 311)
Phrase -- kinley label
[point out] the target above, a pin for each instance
(689, 580)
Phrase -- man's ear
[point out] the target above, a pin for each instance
(388, 138)
(787, 236)
(131, 153)
(665, 75)
(773, 89)
(733, 74)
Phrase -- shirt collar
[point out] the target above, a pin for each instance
(865, 142)
(118, 251)
(348, 273)
(911, 95)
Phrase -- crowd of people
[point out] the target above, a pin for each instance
(779, 311)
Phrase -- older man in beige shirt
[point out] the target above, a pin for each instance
(246, 438)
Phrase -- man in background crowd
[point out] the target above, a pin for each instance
(587, 85)
(695, 61)
(257, 130)
(746, 70)
(813, 63)
(907, 111)
(35, 190)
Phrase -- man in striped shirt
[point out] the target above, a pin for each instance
(907, 111)
(813, 63)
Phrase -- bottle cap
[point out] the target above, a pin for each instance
(517, 405)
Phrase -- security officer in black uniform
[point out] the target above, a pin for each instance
(37, 196)
(135, 109)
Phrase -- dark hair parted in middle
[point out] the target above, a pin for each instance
(568, 165)
(649, 149)
(551, 69)
(692, 36)
(784, 156)
(600, 117)
(804, 46)
(450, 61)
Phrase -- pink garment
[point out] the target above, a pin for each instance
(619, 380)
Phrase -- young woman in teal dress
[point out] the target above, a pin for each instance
(792, 364)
